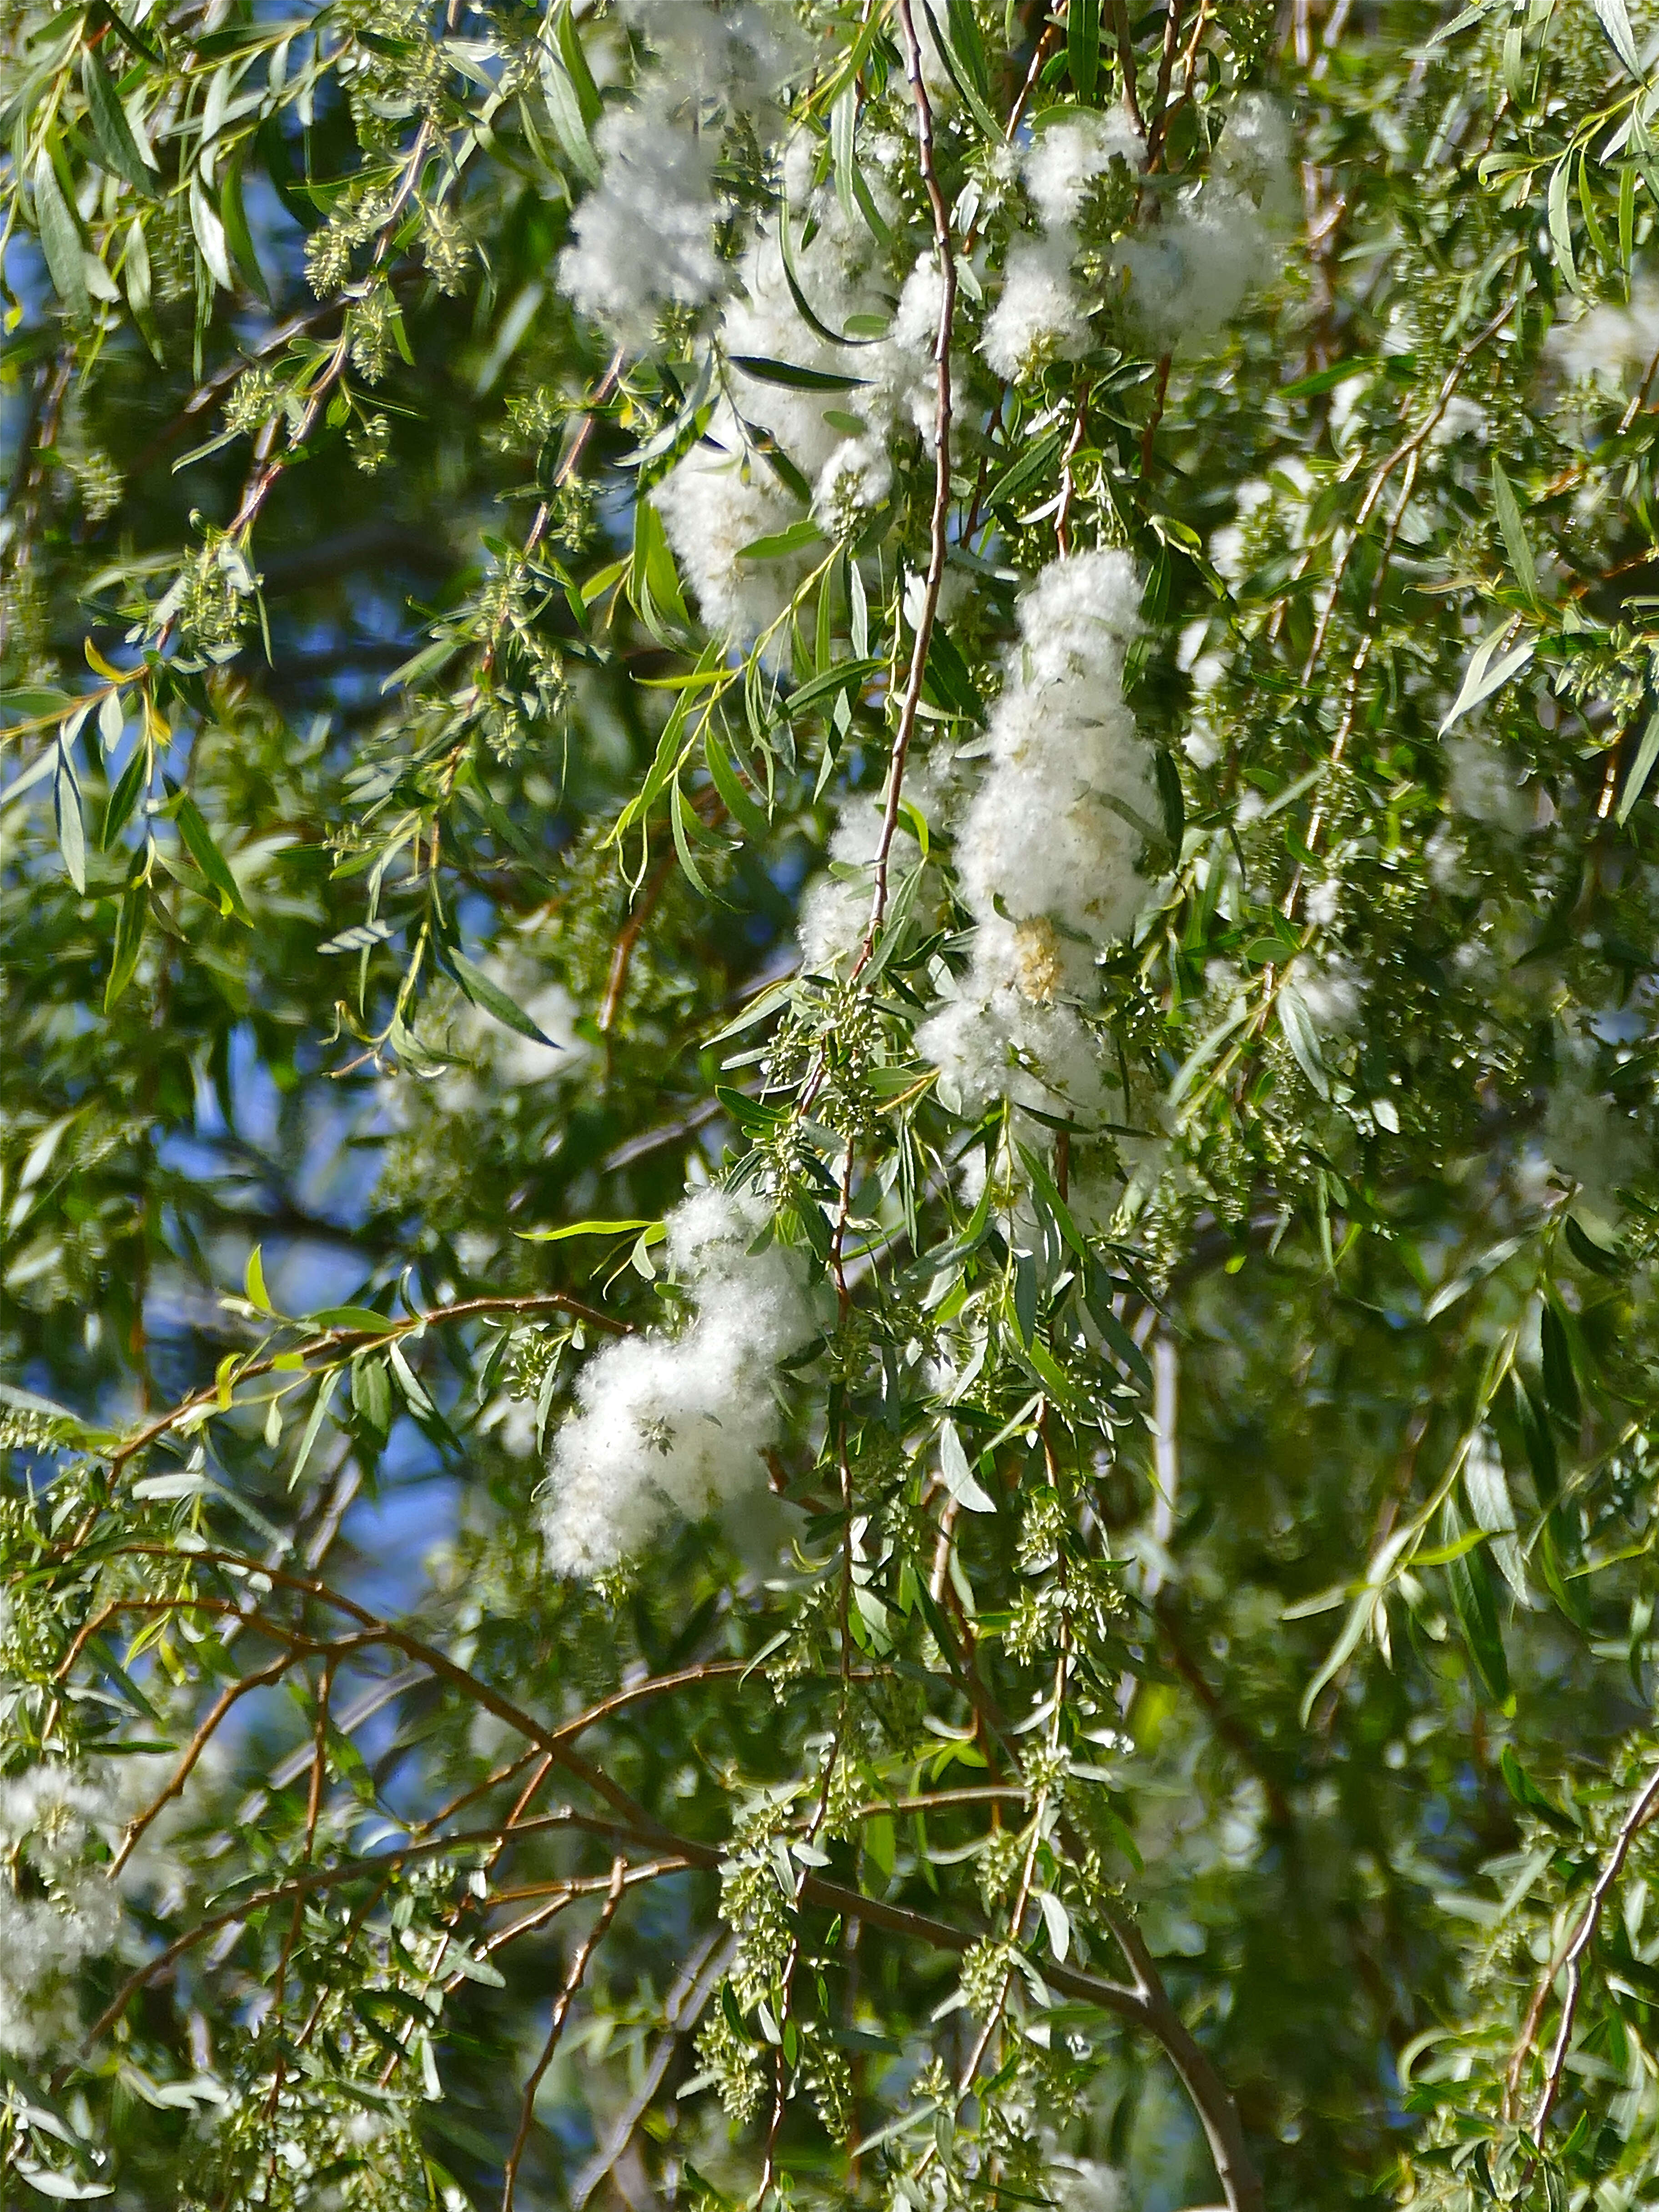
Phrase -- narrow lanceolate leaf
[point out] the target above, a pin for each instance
(118, 149)
(137, 277)
(959, 1478)
(129, 933)
(1302, 1038)
(238, 237)
(210, 235)
(1488, 670)
(60, 238)
(66, 812)
(1641, 768)
(198, 843)
(791, 378)
(1468, 1577)
(1561, 221)
(490, 997)
(1510, 523)
(740, 803)
(1083, 45)
(1615, 21)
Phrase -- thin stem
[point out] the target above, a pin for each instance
(939, 526)
(566, 1998)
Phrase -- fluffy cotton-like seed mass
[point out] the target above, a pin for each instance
(1040, 315)
(70, 1913)
(1048, 851)
(835, 913)
(643, 239)
(725, 493)
(1613, 344)
(1189, 274)
(676, 1424)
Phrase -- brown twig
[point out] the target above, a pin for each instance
(563, 2002)
(1641, 1812)
(1127, 67)
(695, 1983)
(939, 525)
(343, 1341)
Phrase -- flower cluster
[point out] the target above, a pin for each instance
(1049, 852)
(676, 1424)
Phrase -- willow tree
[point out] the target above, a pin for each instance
(828, 1196)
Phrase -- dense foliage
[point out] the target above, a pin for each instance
(827, 1168)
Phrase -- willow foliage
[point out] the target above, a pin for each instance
(828, 1161)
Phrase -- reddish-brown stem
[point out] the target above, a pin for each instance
(938, 525)
(566, 1998)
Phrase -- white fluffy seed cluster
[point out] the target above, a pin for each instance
(835, 912)
(1611, 345)
(1190, 275)
(1040, 316)
(643, 239)
(676, 1424)
(1182, 276)
(66, 1913)
(726, 495)
(1048, 853)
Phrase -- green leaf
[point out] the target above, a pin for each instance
(575, 61)
(253, 1281)
(839, 676)
(1302, 1038)
(654, 583)
(959, 1477)
(210, 234)
(738, 803)
(492, 998)
(1560, 1380)
(359, 1319)
(67, 814)
(1641, 769)
(1561, 221)
(317, 1415)
(1083, 45)
(764, 370)
(124, 797)
(564, 109)
(1475, 1601)
(679, 812)
(584, 1229)
(1615, 21)
(948, 678)
(60, 237)
(130, 922)
(967, 44)
(111, 132)
(797, 538)
(1028, 470)
(1588, 1253)
(198, 843)
(1525, 1791)
(371, 1396)
(238, 237)
(959, 66)
(1488, 670)
(1514, 535)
